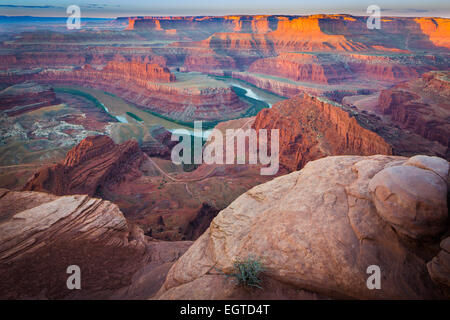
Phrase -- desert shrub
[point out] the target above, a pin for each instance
(247, 272)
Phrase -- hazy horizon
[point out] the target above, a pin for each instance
(122, 8)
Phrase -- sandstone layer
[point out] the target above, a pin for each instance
(51, 55)
(90, 166)
(312, 128)
(301, 67)
(26, 97)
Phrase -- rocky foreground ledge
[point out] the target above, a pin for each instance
(315, 230)
(41, 235)
(318, 229)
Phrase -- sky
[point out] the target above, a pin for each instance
(120, 8)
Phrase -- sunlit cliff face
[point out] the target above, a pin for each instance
(100, 111)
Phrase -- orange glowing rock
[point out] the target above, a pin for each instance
(437, 29)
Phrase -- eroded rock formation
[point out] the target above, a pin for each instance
(301, 67)
(89, 167)
(312, 128)
(153, 193)
(421, 106)
(139, 71)
(320, 228)
(161, 145)
(41, 235)
(305, 33)
(26, 97)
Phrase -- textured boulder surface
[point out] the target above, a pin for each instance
(41, 235)
(311, 128)
(320, 228)
(412, 199)
(168, 203)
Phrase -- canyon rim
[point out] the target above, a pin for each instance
(224, 153)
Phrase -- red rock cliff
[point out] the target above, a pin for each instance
(26, 97)
(93, 163)
(301, 67)
(306, 33)
(311, 128)
(421, 105)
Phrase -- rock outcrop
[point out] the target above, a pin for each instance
(207, 61)
(88, 167)
(150, 87)
(134, 71)
(320, 229)
(384, 68)
(25, 97)
(309, 34)
(345, 73)
(161, 145)
(417, 212)
(301, 67)
(421, 106)
(436, 29)
(41, 235)
(167, 203)
(312, 128)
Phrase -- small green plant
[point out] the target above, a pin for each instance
(247, 272)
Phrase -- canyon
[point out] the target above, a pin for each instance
(26, 97)
(158, 197)
(86, 173)
(144, 267)
(420, 105)
(170, 204)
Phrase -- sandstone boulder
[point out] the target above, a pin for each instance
(41, 235)
(318, 229)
